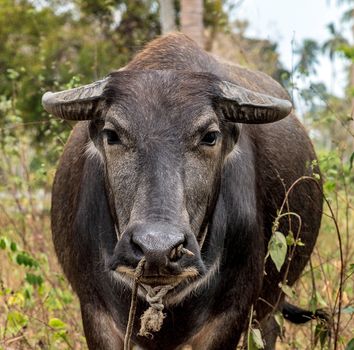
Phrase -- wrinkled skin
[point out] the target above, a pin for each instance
(159, 166)
(167, 175)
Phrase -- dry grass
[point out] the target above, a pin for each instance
(320, 282)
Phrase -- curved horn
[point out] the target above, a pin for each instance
(81, 103)
(245, 106)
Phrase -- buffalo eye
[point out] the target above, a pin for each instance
(209, 138)
(111, 137)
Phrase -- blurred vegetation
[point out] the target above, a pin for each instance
(58, 44)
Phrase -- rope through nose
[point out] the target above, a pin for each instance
(152, 318)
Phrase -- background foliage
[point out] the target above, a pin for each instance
(58, 44)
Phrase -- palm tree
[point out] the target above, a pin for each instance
(334, 43)
(332, 47)
(308, 57)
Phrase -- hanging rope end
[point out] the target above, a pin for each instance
(151, 321)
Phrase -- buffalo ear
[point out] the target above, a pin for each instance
(241, 105)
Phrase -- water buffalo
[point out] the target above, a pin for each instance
(182, 160)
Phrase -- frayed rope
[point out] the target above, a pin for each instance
(152, 318)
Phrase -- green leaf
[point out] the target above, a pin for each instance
(60, 335)
(56, 323)
(26, 260)
(299, 243)
(277, 248)
(53, 303)
(12, 74)
(255, 342)
(28, 294)
(350, 345)
(2, 243)
(34, 280)
(279, 319)
(16, 321)
(287, 290)
(348, 310)
(329, 186)
(351, 160)
(290, 240)
(321, 334)
(13, 246)
(67, 297)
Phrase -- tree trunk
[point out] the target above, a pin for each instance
(192, 20)
(167, 16)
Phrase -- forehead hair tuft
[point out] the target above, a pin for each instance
(137, 86)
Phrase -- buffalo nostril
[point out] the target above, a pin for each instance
(177, 253)
(137, 250)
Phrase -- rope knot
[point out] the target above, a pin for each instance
(152, 318)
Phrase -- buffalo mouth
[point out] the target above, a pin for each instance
(187, 274)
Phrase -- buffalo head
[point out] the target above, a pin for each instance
(163, 137)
